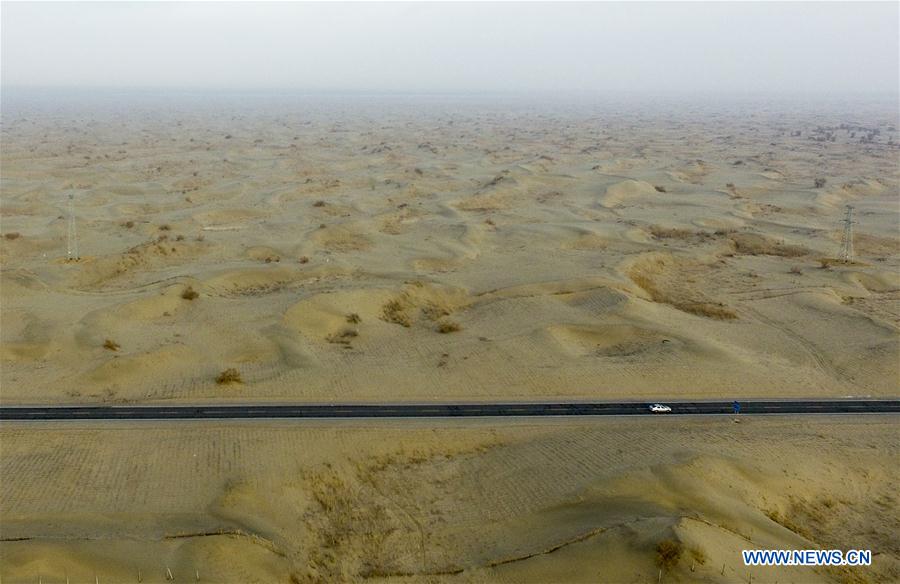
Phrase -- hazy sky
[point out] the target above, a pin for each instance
(430, 47)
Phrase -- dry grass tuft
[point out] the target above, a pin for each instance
(660, 189)
(707, 309)
(432, 311)
(353, 318)
(111, 345)
(788, 523)
(165, 227)
(660, 232)
(342, 337)
(319, 204)
(756, 244)
(668, 553)
(394, 311)
(128, 224)
(678, 300)
(12, 235)
(448, 327)
(230, 375)
(190, 294)
(828, 263)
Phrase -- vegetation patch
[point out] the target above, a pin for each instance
(756, 244)
(229, 376)
(679, 300)
(660, 232)
(395, 311)
(342, 337)
(448, 326)
(668, 553)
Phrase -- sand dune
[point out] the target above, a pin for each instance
(457, 501)
(625, 191)
(496, 257)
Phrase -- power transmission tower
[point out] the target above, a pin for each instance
(846, 254)
(72, 240)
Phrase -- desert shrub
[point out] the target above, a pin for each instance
(353, 318)
(165, 227)
(12, 235)
(448, 327)
(394, 312)
(190, 294)
(668, 553)
(230, 375)
(342, 337)
(111, 345)
(819, 183)
(660, 189)
(303, 259)
(319, 204)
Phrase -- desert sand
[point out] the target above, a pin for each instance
(549, 501)
(371, 249)
(386, 249)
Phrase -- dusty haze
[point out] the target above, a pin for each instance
(789, 48)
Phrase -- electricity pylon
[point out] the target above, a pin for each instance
(72, 240)
(846, 254)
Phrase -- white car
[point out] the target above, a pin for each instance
(660, 409)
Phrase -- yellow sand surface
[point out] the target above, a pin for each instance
(384, 250)
(580, 500)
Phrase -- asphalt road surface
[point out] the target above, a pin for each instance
(231, 412)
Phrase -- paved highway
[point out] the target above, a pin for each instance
(232, 412)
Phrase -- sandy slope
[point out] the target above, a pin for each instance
(582, 250)
(577, 500)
